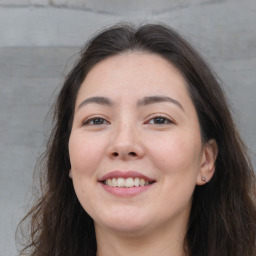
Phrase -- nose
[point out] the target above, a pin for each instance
(125, 144)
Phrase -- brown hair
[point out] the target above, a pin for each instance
(223, 214)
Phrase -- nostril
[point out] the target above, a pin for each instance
(116, 154)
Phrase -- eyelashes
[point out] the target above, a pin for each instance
(95, 121)
(158, 120)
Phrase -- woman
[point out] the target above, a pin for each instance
(144, 158)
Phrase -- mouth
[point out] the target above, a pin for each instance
(128, 179)
(127, 182)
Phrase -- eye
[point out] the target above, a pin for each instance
(159, 120)
(95, 121)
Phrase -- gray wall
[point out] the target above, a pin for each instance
(39, 41)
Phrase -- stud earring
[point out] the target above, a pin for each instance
(203, 179)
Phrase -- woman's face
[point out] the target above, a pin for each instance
(135, 146)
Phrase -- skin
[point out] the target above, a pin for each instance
(160, 140)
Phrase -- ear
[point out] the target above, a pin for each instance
(70, 174)
(207, 168)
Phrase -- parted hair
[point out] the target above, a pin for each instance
(223, 215)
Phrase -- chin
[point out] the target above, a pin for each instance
(125, 223)
(128, 229)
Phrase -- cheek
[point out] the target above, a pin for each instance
(85, 153)
(177, 159)
(177, 153)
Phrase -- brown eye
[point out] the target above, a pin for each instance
(96, 121)
(160, 120)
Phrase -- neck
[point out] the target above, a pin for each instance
(162, 242)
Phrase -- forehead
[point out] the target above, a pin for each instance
(133, 75)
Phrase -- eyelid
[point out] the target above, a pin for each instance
(164, 116)
(91, 118)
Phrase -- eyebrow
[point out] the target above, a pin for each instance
(156, 99)
(142, 102)
(97, 100)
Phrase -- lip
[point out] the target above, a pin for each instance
(125, 175)
(126, 192)
(122, 191)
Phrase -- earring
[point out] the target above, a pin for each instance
(203, 179)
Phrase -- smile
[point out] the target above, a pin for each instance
(126, 182)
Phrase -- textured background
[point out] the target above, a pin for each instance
(39, 40)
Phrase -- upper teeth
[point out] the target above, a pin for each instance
(129, 182)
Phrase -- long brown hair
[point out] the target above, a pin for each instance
(223, 215)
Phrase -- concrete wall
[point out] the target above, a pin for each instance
(39, 41)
